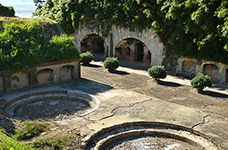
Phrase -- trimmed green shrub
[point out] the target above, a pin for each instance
(86, 58)
(201, 81)
(157, 72)
(111, 63)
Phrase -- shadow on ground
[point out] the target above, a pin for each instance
(87, 86)
(214, 94)
(119, 72)
(167, 83)
(91, 65)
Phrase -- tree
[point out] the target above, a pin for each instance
(39, 4)
(192, 28)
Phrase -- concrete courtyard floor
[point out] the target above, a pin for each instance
(130, 94)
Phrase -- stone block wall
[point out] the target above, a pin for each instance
(216, 70)
(46, 73)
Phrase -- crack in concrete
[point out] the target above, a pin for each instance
(130, 105)
(201, 123)
(106, 117)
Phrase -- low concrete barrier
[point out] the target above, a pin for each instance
(46, 73)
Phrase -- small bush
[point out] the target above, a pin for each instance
(86, 58)
(30, 129)
(200, 82)
(157, 72)
(111, 63)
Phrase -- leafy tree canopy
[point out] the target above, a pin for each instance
(194, 28)
(39, 4)
(6, 11)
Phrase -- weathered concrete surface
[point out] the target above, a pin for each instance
(136, 97)
(131, 95)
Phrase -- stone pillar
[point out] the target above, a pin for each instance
(77, 70)
(7, 83)
(105, 48)
(32, 77)
(110, 53)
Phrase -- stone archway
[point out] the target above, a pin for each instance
(133, 50)
(93, 43)
(45, 76)
(153, 54)
(211, 70)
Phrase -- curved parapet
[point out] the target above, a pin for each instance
(13, 105)
(114, 135)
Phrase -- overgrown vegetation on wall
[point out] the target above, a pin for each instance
(6, 11)
(192, 28)
(25, 44)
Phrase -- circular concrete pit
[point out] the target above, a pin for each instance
(55, 104)
(149, 136)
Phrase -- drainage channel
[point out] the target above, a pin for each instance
(52, 104)
(149, 135)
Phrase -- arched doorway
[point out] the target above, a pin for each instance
(93, 43)
(133, 50)
(212, 71)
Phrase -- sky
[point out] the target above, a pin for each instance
(23, 8)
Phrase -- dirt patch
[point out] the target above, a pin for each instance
(150, 143)
(52, 110)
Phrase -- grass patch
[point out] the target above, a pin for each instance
(30, 129)
(52, 140)
(48, 143)
(9, 143)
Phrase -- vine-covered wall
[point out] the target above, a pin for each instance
(146, 36)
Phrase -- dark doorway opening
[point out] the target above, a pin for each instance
(140, 52)
(92, 43)
(149, 57)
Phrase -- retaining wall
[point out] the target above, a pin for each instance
(216, 70)
(46, 73)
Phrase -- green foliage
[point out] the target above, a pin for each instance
(192, 28)
(62, 48)
(157, 72)
(6, 11)
(9, 143)
(47, 143)
(86, 58)
(200, 82)
(111, 63)
(30, 129)
(24, 44)
(39, 3)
